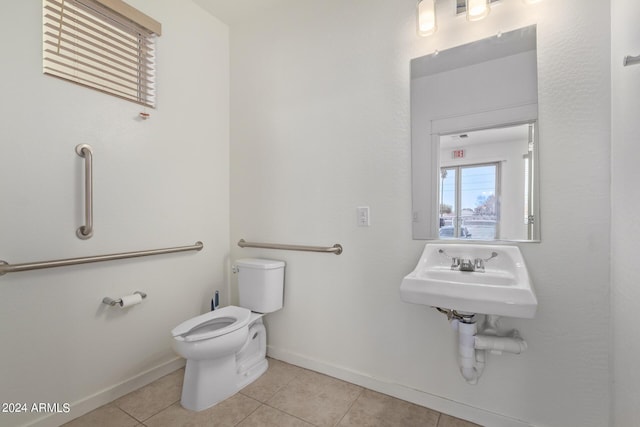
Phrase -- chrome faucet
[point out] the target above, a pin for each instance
(455, 262)
(466, 264)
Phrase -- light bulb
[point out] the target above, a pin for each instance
(477, 9)
(427, 24)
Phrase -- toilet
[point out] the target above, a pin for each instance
(226, 348)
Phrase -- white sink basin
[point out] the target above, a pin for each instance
(503, 288)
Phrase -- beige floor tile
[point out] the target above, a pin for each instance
(449, 421)
(226, 413)
(379, 410)
(316, 398)
(266, 416)
(277, 376)
(105, 416)
(294, 397)
(151, 399)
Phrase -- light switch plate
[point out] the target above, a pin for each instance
(363, 216)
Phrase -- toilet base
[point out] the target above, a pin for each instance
(209, 382)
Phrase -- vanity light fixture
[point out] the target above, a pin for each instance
(427, 23)
(475, 10)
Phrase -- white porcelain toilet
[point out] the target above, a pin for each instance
(226, 348)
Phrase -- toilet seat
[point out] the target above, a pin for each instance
(212, 324)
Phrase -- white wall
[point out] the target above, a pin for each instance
(320, 125)
(158, 183)
(625, 205)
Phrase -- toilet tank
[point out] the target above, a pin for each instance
(260, 284)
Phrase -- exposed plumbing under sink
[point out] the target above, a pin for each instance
(473, 343)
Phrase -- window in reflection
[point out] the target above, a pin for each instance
(469, 201)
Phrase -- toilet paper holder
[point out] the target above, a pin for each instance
(113, 302)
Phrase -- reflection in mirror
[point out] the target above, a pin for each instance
(485, 183)
(474, 150)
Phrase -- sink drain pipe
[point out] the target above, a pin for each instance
(470, 361)
(472, 347)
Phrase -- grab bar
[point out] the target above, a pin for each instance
(14, 268)
(335, 249)
(631, 60)
(86, 231)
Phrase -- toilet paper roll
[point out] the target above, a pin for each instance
(129, 300)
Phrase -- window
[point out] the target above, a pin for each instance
(106, 45)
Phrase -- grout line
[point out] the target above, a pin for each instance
(148, 385)
(118, 406)
(351, 406)
(291, 415)
(250, 413)
(152, 415)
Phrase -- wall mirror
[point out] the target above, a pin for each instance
(474, 140)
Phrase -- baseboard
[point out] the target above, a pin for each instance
(109, 394)
(437, 403)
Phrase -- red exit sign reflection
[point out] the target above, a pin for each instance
(457, 154)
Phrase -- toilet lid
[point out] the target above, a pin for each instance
(212, 324)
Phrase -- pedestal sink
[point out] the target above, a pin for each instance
(473, 278)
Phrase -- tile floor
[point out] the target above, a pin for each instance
(285, 396)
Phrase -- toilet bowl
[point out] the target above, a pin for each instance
(210, 343)
(226, 348)
(212, 335)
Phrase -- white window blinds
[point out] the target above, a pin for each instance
(95, 46)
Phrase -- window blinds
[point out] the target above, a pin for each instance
(91, 45)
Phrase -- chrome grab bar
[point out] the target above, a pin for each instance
(631, 60)
(335, 249)
(86, 231)
(14, 268)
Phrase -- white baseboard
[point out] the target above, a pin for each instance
(108, 395)
(431, 401)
